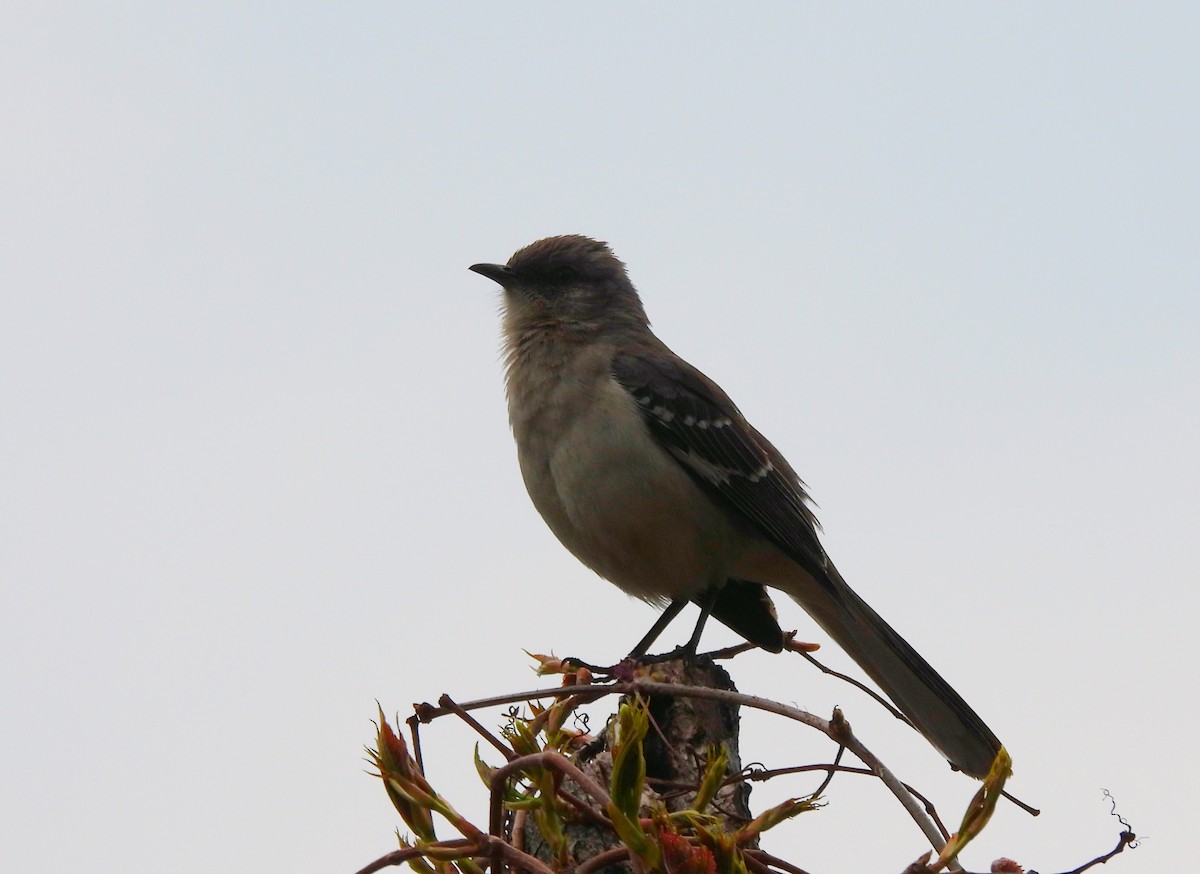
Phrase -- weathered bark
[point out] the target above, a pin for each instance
(676, 751)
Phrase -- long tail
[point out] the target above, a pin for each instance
(929, 702)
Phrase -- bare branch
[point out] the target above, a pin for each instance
(448, 703)
(767, 861)
(859, 685)
(598, 861)
(842, 736)
(1126, 839)
(506, 846)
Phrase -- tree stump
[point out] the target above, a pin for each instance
(676, 750)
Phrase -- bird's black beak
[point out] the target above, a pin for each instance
(500, 273)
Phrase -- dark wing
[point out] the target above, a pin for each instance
(699, 425)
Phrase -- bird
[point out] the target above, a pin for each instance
(650, 475)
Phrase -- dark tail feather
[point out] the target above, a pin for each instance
(929, 702)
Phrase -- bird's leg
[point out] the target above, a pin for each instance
(671, 611)
(707, 601)
(638, 653)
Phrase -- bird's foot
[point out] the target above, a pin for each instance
(573, 663)
(622, 671)
(684, 653)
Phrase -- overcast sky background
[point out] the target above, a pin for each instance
(255, 470)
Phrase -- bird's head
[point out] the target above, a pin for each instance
(571, 282)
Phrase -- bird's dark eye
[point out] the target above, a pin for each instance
(566, 273)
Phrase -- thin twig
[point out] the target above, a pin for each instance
(516, 857)
(652, 687)
(730, 651)
(844, 737)
(766, 859)
(517, 831)
(847, 737)
(767, 774)
(452, 707)
(755, 866)
(1125, 840)
(538, 721)
(415, 734)
(446, 851)
(448, 703)
(556, 761)
(582, 807)
(608, 857)
(399, 857)
(859, 685)
(1028, 808)
(427, 712)
(837, 760)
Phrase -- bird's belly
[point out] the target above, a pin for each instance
(626, 509)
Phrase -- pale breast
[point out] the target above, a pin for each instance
(613, 497)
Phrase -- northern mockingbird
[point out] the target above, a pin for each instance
(645, 470)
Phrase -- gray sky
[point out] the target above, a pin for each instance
(255, 469)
